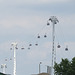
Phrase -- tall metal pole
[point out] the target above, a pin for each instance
(40, 67)
(53, 44)
(14, 46)
(54, 21)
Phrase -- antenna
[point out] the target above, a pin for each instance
(15, 47)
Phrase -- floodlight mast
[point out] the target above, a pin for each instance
(14, 47)
(54, 21)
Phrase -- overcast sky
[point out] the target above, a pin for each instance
(22, 20)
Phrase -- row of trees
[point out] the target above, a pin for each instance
(65, 67)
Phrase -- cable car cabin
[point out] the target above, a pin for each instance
(28, 47)
(5, 59)
(36, 44)
(10, 58)
(30, 44)
(50, 19)
(38, 36)
(45, 36)
(48, 23)
(22, 48)
(55, 22)
(58, 46)
(16, 47)
(10, 48)
(66, 49)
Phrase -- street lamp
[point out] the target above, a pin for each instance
(3, 66)
(40, 67)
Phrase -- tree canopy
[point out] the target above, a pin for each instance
(65, 67)
(2, 73)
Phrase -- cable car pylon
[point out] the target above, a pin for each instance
(14, 46)
(54, 21)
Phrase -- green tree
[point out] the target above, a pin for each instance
(2, 73)
(65, 67)
(73, 66)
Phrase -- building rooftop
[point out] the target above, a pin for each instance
(43, 74)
